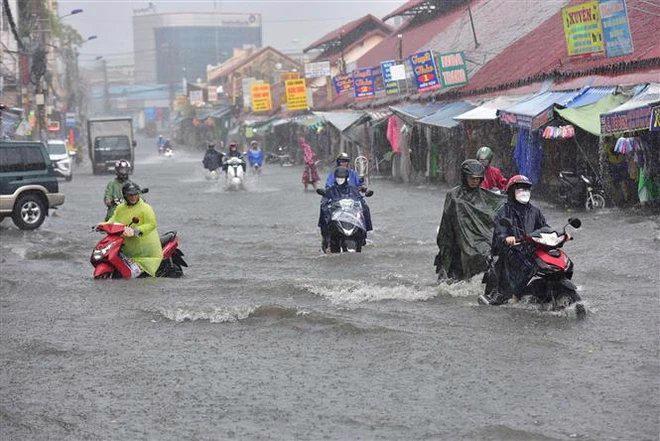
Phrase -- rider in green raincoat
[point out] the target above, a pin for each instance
(113, 196)
(141, 239)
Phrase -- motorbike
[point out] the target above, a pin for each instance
(346, 223)
(168, 152)
(235, 173)
(212, 175)
(280, 156)
(108, 262)
(551, 284)
(577, 189)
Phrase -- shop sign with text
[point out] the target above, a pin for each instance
(343, 83)
(425, 71)
(363, 83)
(583, 29)
(296, 94)
(453, 70)
(261, 98)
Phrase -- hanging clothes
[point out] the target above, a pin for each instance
(528, 155)
(394, 132)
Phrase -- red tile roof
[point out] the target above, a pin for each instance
(542, 53)
(334, 55)
(349, 27)
(239, 61)
(404, 8)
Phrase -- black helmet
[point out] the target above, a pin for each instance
(341, 172)
(122, 168)
(129, 189)
(343, 157)
(472, 167)
(211, 146)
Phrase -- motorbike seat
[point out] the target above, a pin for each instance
(167, 237)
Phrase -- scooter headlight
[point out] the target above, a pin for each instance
(97, 255)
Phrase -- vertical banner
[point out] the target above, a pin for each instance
(583, 29)
(452, 68)
(261, 99)
(363, 83)
(425, 71)
(391, 85)
(379, 84)
(655, 119)
(616, 28)
(343, 83)
(296, 94)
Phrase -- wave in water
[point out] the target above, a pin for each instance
(352, 292)
(227, 314)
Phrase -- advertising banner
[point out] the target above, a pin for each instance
(196, 97)
(379, 84)
(343, 83)
(261, 99)
(296, 94)
(453, 70)
(616, 28)
(626, 120)
(391, 85)
(246, 86)
(583, 29)
(290, 76)
(425, 71)
(319, 69)
(363, 83)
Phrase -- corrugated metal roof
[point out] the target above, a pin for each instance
(341, 120)
(590, 95)
(445, 116)
(650, 95)
(542, 52)
(540, 102)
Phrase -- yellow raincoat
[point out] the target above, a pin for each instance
(145, 250)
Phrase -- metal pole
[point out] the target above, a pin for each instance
(106, 92)
(474, 33)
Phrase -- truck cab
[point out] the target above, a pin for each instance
(109, 140)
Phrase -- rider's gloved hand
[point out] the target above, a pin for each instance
(128, 232)
(510, 241)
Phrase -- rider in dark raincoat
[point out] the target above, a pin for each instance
(515, 266)
(339, 190)
(212, 159)
(466, 228)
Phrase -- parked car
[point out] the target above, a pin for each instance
(61, 159)
(28, 185)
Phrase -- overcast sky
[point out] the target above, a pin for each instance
(286, 24)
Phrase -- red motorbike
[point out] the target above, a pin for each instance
(108, 261)
(551, 284)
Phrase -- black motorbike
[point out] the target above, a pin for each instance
(580, 190)
(346, 224)
(280, 156)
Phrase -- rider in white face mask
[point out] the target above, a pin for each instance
(523, 195)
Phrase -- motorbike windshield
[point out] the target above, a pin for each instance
(348, 211)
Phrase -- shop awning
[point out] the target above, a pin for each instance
(341, 120)
(488, 110)
(218, 112)
(588, 117)
(590, 95)
(634, 114)
(413, 112)
(445, 116)
(378, 116)
(537, 110)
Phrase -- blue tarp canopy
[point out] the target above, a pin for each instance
(445, 116)
(415, 111)
(217, 112)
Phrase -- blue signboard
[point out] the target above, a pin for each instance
(363, 82)
(616, 29)
(425, 71)
(391, 86)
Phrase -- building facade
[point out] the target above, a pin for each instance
(171, 46)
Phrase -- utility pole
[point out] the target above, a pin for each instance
(474, 33)
(106, 93)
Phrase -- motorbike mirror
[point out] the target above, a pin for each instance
(575, 222)
(369, 193)
(505, 222)
(145, 190)
(320, 191)
(135, 220)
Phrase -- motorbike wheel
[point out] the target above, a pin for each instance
(566, 298)
(595, 202)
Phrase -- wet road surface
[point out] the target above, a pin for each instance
(266, 338)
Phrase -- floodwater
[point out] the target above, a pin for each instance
(266, 338)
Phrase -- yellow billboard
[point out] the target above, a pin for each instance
(583, 29)
(261, 99)
(296, 94)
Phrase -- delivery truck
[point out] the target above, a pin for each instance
(108, 140)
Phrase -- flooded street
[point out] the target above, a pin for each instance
(267, 338)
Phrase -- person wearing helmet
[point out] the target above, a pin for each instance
(113, 196)
(493, 179)
(255, 157)
(232, 153)
(466, 227)
(341, 189)
(343, 160)
(514, 267)
(212, 158)
(142, 250)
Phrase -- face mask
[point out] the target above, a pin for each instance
(523, 195)
(340, 181)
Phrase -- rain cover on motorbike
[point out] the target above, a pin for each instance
(466, 231)
(349, 211)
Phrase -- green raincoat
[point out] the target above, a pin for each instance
(144, 250)
(113, 192)
(466, 231)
